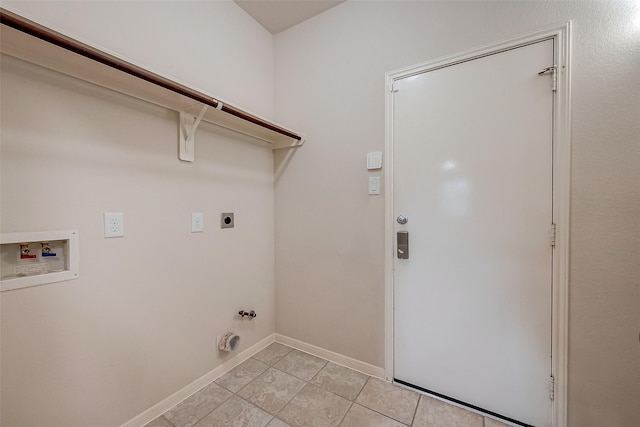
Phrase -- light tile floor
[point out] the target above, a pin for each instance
(284, 387)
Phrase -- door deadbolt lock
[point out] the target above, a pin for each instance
(402, 219)
(402, 244)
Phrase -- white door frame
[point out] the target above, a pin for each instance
(561, 192)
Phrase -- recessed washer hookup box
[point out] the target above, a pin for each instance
(37, 258)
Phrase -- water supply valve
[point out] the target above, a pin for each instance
(250, 314)
(46, 250)
(25, 252)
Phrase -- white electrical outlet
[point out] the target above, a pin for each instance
(197, 222)
(113, 224)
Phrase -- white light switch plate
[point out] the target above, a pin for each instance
(113, 224)
(374, 185)
(197, 222)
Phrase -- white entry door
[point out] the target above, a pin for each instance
(472, 174)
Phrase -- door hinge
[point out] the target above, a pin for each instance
(393, 87)
(552, 387)
(552, 233)
(554, 76)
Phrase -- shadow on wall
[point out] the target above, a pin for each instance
(281, 159)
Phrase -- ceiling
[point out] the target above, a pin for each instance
(278, 15)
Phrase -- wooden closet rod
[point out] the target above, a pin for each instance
(21, 24)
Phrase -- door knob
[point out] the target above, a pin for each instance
(402, 219)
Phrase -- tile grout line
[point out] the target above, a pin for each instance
(305, 384)
(272, 365)
(263, 410)
(240, 397)
(224, 388)
(292, 397)
(286, 373)
(222, 403)
(295, 376)
(326, 362)
(215, 381)
(345, 414)
(252, 380)
(353, 402)
(171, 423)
(363, 386)
(235, 393)
(415, 411)
(380, 413)
(308, 382)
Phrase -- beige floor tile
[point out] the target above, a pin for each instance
(490, 422)
(272, 353)
(436, 413)
(300, 364)
(325, 401)
(236, 412)
(277, 423)
(191, 410)
(161, 421)
(342, 381)
(272, 390)
(388, 399)
(242, 375)
(314, 407)
(359, 416)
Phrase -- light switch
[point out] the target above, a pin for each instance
(374, 185)
(197, 222)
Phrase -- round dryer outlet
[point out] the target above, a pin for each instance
(226, 220)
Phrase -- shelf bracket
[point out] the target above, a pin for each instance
(188, 126)
(295, 144)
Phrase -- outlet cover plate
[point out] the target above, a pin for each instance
(374, 185)
(227, 220)
(113, 224)
(197, 222)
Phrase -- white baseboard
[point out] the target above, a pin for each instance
(337, 358)
(171, 401)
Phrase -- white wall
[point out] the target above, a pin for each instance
(212, 46)
(142, 320)
(330, 233)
